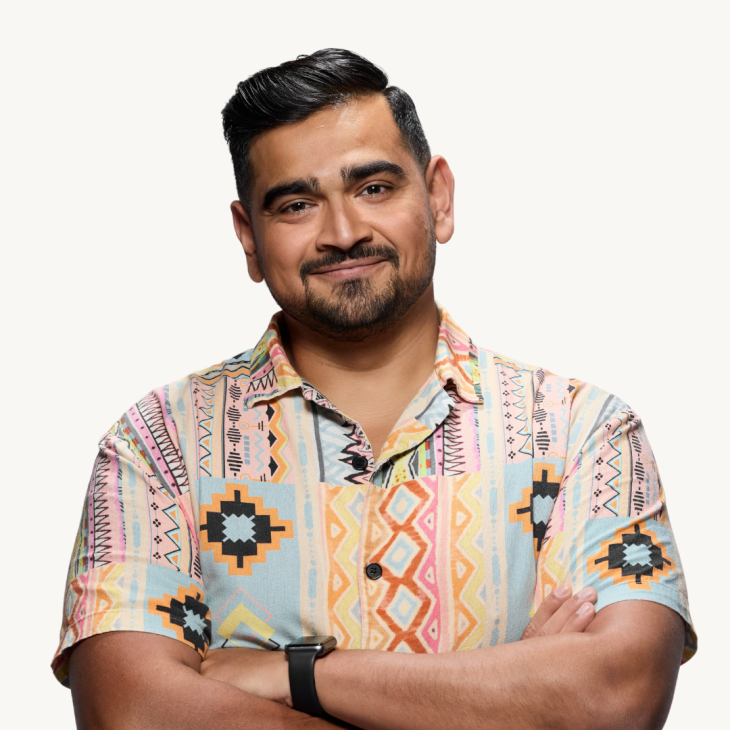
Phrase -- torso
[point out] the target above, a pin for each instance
(239, 507)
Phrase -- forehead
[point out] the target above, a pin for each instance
(322, 144)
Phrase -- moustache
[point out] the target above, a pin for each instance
(357, 252)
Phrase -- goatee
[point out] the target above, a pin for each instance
(355, 310)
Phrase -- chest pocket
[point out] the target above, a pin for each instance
(425, 538)
(250, 561)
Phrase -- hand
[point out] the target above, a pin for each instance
(560, 613)
(259, 672)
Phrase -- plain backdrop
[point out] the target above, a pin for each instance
(590, 145)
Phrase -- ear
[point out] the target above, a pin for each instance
(244, 231)
(440, 187)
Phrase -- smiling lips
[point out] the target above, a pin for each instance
(351, 267)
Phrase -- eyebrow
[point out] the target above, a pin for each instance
(353, 174)
(295, 187)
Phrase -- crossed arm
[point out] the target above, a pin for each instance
(614, 669)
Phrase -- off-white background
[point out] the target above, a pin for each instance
(590, 147)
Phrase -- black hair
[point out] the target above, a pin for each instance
(296, 89)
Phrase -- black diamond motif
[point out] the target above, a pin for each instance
(262, 528)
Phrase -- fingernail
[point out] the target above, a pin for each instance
(562, 590)
(585, 608)
(586, 594)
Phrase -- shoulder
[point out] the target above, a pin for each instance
(177, 393)
(168, 403)
(583, 398)
(156, 427)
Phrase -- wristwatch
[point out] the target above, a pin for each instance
(301, 653)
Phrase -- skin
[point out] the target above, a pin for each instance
(573, 668)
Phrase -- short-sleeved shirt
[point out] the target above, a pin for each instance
(240, 507)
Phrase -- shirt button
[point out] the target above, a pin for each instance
(373, 571)
(360, 462)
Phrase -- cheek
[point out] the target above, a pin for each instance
(409, 231)
(282, 261)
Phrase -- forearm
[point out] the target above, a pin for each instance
(564, 681)
(537, 684)
(188, 700)
(133, 681)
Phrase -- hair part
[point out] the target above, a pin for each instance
(295, 90)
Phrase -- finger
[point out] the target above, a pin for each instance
(579, 621)
(559, 619)
(549, 606)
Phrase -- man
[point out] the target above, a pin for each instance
(367, 473)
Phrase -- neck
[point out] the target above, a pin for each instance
(405, 350)
(370, 382)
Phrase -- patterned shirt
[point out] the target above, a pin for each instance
(239, 507)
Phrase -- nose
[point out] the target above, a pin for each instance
(342, 227)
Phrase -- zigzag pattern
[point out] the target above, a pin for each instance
(468, 563)
(278, 440)
(202, 398)
(454, 455)
(99, 530)
(427, 534)
(264, 382)
(607, 473)
(396, 542)
(520, 403)
(518, 443)
(358, 446)
(174, 534)
(460, 445)
(175, 477)
(341, 539)
(331, 445)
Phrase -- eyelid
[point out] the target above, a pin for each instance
(370, 184)
(283, 208)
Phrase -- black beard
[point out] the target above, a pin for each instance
(355, 312)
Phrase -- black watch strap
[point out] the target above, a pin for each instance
(301, 682)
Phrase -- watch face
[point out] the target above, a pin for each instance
(325, 644)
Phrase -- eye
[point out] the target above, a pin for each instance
(296, 207)
(374, 190)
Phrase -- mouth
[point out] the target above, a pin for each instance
(350, 268)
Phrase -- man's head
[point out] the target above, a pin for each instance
(340, 203)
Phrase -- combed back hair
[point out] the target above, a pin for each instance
(297, 89)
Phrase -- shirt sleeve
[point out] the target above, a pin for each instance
(136, 561)
(609, 527)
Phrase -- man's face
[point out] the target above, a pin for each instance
(341, 220)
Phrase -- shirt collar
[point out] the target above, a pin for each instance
(272, 374)
(457, 359)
